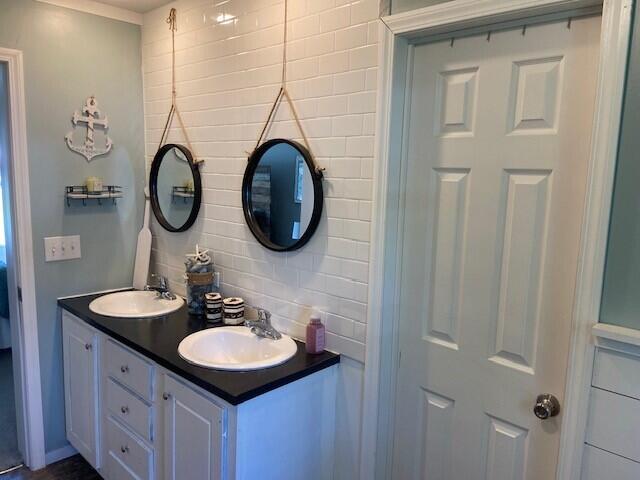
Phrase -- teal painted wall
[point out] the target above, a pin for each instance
(621, 294)
(68, 56)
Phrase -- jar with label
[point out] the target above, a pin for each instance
(199, 277)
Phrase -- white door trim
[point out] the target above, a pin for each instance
(28, 350)
(395, 33)
(614, 48)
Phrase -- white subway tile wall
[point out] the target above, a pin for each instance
(228, 67)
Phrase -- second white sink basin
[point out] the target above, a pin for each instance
(235, 348)
(134, 304)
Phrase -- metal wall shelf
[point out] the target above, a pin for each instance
(80, 192)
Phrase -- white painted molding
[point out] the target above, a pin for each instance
(29, 351)
(373, 354)
(60, 454)
(466, 14)
(463, 14)
(95, 8)
(614, 48)
(630, 336)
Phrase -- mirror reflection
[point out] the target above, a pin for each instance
(281, 193)
(175, 193)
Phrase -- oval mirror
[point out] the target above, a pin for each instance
(282, 195)
(176, 188)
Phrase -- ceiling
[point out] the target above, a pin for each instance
(139, 6)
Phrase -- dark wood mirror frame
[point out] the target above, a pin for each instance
(318, 198)
(153, 186)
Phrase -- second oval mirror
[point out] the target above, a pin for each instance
(282, 195)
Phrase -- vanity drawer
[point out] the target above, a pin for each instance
(129, 369)
(125, 450)
(129, 409)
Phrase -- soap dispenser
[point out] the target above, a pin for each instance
(316, 338)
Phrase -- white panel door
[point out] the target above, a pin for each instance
(496, 163)
(192, 434)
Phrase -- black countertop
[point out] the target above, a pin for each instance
(158, 339)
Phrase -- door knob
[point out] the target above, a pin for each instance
(546, 406)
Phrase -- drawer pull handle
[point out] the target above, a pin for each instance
(124, 410)
(124, 368)
(88, 346)
(166, 396)
(124, 449)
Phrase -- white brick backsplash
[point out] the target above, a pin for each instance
(360, 146)
(350, 82)
(334, 63)
(347, 126)
(351, 37)
(359, 331)
(335, 19)
(364, 11)
(363, 57)
(227, 77)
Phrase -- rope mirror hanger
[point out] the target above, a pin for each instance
(284, 93)
(174, 111)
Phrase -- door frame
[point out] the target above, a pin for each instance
(395, 35)
(21, 275)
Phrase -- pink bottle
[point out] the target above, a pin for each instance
(315, 335)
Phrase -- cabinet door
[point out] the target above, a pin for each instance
(80, 351)
(192, 434)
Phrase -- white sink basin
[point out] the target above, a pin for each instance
(235, 348)
(134, 304)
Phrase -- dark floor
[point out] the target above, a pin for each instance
(9, 454)
(72, 468)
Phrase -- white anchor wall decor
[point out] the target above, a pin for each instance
(92, 117)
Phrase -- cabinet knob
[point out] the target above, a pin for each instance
(124, 449)
(166, 396)
(124, 368)
(88, 346)
(124, 409)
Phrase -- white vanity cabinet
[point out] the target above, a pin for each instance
(193, 434)
(132, 419)
(80, 357)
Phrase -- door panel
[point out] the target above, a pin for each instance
(192, 436)
(81, 388)
(494, 182)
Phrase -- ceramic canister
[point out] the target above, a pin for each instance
(213, 303)
(233, 311)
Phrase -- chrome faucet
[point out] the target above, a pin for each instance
(161, 287)
(262, 326)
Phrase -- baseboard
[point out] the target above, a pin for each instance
(60, 454)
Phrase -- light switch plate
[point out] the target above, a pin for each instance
(62, 248)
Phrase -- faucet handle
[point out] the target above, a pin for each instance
(264, 316)
(160, 279)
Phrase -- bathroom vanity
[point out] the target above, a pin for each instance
(136, 410)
